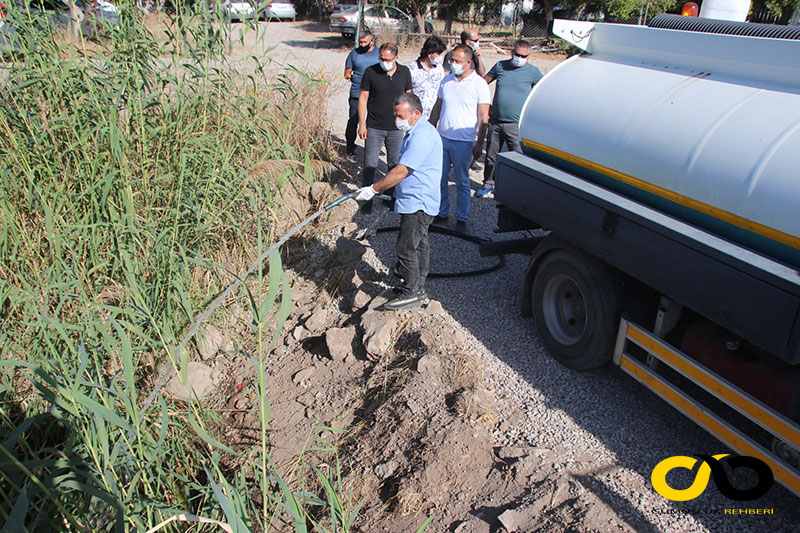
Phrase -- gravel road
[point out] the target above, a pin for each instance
(609, 431)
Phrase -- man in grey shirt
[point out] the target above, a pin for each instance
(515, 78)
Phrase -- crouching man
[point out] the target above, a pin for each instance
(417, 178)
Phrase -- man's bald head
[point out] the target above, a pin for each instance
(469, 35)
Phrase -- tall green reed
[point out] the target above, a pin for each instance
(124, 167)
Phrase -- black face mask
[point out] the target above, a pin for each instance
(363, 49)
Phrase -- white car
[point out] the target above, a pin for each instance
(238, 9)
(280, 10)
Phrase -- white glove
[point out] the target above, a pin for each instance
(366, 193)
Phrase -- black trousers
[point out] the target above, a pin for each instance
(413, 257)
(499, 133)
(351, 130)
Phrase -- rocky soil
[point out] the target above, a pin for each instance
(453, 411)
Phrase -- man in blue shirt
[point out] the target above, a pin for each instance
(358, 60)
(416, 179)
(515, 79)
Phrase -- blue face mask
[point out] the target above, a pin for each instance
(387, 65)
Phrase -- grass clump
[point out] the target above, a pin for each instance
(126, 178)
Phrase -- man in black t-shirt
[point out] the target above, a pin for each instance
(382, 83)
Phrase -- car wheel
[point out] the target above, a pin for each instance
(576, 307)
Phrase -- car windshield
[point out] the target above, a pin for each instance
(351, 10)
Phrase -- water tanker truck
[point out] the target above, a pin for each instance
(663, 164)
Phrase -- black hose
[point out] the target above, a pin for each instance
(501, 259)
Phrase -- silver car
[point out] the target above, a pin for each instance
(376, 18)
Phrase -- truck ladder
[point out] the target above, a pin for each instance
(775, 423)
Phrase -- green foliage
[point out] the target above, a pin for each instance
(124, 164)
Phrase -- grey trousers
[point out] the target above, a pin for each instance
(393, 140)
(413, 255)
(499, 133)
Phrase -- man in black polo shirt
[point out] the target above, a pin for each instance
(382, 83)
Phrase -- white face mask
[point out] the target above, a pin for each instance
(437, 60)
(403, 125)
(518, 61)
(475, 45)
(457, 69)
(387, 65)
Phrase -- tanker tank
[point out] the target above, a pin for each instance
(703, 126)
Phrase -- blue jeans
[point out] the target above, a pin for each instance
(457, 154)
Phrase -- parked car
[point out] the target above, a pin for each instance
(338, 8)
(238, 9)
(376, 18)
(54, 13)
(281, 9)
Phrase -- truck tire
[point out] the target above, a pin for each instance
(576, 308)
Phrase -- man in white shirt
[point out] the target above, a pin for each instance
(462, 114)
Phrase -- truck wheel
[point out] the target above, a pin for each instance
(576, 302)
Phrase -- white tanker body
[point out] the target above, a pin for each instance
(665, 165)
(703, 126)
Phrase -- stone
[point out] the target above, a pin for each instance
(299, 333)
(414, 406)
(473, 525)
(524, 517)
(378, 328)
(511, 519)
(384, 470)
(345, 188)
(303, 376)
(340, 342)
(209, 342)
(428, 363)
(342, 213)
(198, 381)
(512, 452)
(320, 192)
(349, 250)
(360, 300)
(350, 229)
(307, 399)
(435, 308)
(378, 301)
(316, 321)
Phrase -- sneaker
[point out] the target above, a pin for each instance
(405, 300)
(439, 220)
(483, 191)
(351, 156)
(461, 226)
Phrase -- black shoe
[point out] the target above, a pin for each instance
(439, 220)
(461, 226)
(406, 300)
